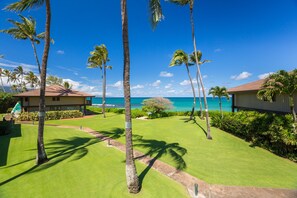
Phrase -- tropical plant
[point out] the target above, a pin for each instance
(26, 30)
(156, 16)
(32, 79)
(25, 5)
(98, 59)
(281, 82)
(219, 92)
(67, 85)
(200, 62)
(191, 5)
(7, 74)
(179, 58)
(156, 105)
(54, 80)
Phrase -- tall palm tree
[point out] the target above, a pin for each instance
(200, 62)
(219, 92)
(26, 30)
(7, 74)
(19, 71)
(99, 59)
(2, 75)
(54, 80)
(179, 58)
(156, 16)
(21, 6)
(281, 82)
(15, 80)
(31, 79)
(191, 5)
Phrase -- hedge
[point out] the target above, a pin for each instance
(6, 101)
(50, 115)
(276, 133)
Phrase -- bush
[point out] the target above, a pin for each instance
(6, 101)
(137, 113)
(276, 133)
(50, 115)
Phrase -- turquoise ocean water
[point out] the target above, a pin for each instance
(179, 103)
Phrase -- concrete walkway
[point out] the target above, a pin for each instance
(204, 189)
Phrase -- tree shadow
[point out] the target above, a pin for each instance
(186, 120)
(158, 149)
(5, 141)
(117, 133)
(59, 150)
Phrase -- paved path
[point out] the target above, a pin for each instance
(188, 181)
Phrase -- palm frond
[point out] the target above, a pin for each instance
(24, 5)
(155, 12)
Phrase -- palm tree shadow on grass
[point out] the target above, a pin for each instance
(60, 150)
(158, 149)
(117, 133)
(186, 120)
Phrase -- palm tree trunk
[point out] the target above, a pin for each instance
(104, 91)
(199, 73)
(2, 84)
(193, 90)
(220, 103)
(292, 107)
(41, 154)
(131, 174)
(36, 57)
(199, 95)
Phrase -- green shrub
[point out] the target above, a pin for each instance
(137, 113)
(50, 115)
(276, 133)
(6, 101)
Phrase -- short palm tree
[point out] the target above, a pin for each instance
(219, 92)
(22, 5)
(26, 30)
(281, 82)
(200, 62)
(31, 79)
(182, 58)
(191, 6)
(2, 75)
(99, 59)
(156, 16)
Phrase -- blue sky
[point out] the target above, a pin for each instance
(244, 39)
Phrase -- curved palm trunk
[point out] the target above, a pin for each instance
(292, 107)
(220, 104)
(194, 95)
(131, 174)
(199, 95)
(199, 73)
(36, 57)
(104, 91)
(41, 154)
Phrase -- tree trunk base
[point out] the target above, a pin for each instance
(41, 160)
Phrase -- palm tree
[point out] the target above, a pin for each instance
(2, 75)
(7, 74)
(21, 6)
(281, 82)
(180, 57)
(54, 80)
(67, 85)
(19, 71)
(31, 79)
(220, 92)
(15, 80)
(26, 30)
(193, 60)
(191, 5)
(98, 59)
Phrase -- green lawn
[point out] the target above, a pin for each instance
(79, 166)
(224, 160)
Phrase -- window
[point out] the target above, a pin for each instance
(26, 99)
(56, 98)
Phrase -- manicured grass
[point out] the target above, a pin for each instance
(224, 160)
(79, 166)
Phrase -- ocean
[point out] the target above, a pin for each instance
(179, 103)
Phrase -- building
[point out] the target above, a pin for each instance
(56, 98)
(244, 97)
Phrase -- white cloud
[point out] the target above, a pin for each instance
(165, 74)
(118, 84)
(12, 64)
(241, 76)
(137, 87)
(218, 50)
(171, 91)
(156, 83)
(60, 52)
(204, 76)
(265, 75)
(168, 86)
(187, 82)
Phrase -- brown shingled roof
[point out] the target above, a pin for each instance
(54, 91)
(253, 86)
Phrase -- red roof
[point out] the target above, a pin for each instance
(54, 91)
(253, 86)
